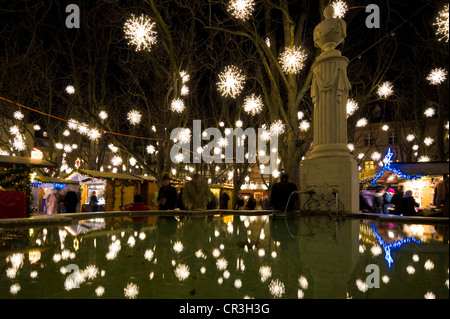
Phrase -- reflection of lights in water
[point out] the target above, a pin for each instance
(182, 272)
(65, 254)
(11, 273)
(276, 288)
(222, 263)
(238, 283)
(265, 272)
(362, 249)
(410, 270)
(376, 250)
(33, 274)
(430, 295)
(199, 254)
(131, 291)
(226, 274)
(14, 289)
(216, 252)
(220, 280)
(131, 241)
(16, 260)
(148, 255)
(261, 252)
(362, 286)
(303, 282)
(300, 294)
(56, 258)
(203, 270)
(385, 279)
(151, 275)
(178, 247)
(446, 283)
(114, 249)
(274, 254)
(91, 272)
(429, 265)
(99, 291)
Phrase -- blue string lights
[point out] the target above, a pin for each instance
(387, 167)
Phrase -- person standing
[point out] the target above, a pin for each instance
(196, 193)
(52, 202)
(240, 202)
(281, 194)
(379, 200)
(396, 198)
(408, 204)
(70, 201)
(224, 198)
(441, 196)
(167, 195)
(251, 203)
(93, 202)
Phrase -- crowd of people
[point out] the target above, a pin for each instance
(60, 202)
(388, 201)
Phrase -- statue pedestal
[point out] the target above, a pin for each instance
(329, 177)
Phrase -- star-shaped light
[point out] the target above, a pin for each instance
(134, 117)
(241, 9)
(292, 60)
(253, 104)
(231, 81)
(385, 90)
(442, 24)
(437, 76)
(140, 32)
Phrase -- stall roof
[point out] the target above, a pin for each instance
(45, 179)
(423, 168)
(25, 161)
(413, 170)
(109, 175)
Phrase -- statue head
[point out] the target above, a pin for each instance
(328, 12)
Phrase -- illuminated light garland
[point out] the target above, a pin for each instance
(140, 32)
(18, 115)
(387, 167)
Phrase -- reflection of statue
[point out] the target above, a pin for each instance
(330, 32)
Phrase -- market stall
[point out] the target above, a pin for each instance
(42, 186)
(113, 190)
(421, 178)
(15, 193)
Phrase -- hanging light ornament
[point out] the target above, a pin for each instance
(442, 24)
(277, 128)
(304, 125)
(18, 115)
(140, 32)
(241, 9)
(292, 60)
(70, 89)
(352, 106)
(253, 104)
(134, 117)
(103, 115)
(437, 76)
(429, 112)
(362, 122)
(428, 141)
(340, 9)
(385, 90)
(177, 105)
(231, 81)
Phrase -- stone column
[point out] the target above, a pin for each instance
(331, 171)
